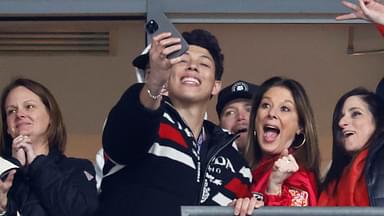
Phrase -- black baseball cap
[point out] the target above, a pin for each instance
(237, 90)
(142, 60)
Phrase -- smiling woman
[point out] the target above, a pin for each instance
(358, 146)
(33, 136)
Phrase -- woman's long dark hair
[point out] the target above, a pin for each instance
(340, 157)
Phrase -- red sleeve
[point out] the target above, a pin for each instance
(283, 199)
(381, 29)
(298, 190)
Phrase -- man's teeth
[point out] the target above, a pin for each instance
(191, 80)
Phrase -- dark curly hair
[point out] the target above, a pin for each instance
(205, 39)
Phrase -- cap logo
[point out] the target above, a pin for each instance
(240, 86)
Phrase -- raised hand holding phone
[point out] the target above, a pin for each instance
(158, 23)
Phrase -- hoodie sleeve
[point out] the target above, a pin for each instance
(131, 128)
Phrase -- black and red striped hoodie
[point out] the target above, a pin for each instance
(163, 168)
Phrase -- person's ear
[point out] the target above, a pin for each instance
(216, 87)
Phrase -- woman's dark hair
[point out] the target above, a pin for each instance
(340, 157)
(56, 133)
(205, 39)
(307, 155)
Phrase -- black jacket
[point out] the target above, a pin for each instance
(374, 173)
(54, 185)
(163, 169)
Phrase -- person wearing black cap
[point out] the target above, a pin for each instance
(172, 156)
(234, 107)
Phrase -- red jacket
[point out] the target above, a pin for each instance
(300, 189)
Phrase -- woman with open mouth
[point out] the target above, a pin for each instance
(283, 149)
(355, 177)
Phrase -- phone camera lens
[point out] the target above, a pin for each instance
(151, 26)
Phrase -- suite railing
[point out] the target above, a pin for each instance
(285, 211)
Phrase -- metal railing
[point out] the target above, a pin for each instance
(285, 211)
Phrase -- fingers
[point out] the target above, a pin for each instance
(363, 6)
(251, 206)
(22, 149)
(347, 16)
(9, 180)
(29, 152)
(232, 204)
(4, 188)
(7, 183)
(245, 206)
(241, 207)
(164, 44)
(350, 5)
(293, 163)
(286, 164)
(358, 12)
(237, 206)
(22, 142)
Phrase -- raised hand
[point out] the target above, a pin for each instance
(370, 10)
(162, 45)
(17, 151)
(22, 150)
(283, 168)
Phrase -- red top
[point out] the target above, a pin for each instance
(381, 29)
(299, 189)
(351, 189)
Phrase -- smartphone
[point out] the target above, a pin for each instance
(158, 23)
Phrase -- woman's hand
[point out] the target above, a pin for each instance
(17, 151)
(370, 10)
(22, 150)
(284, 167)
(245, 206)
(4, 188)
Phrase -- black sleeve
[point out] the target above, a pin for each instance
(131, 128)
(21, 197)
(67, 188)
